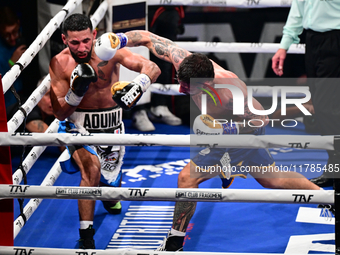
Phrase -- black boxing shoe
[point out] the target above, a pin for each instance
(86, 240)
(172, 243)
(112, 208)
(322, 181)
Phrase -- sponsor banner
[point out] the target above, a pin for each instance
(199, 194)
(79, 191)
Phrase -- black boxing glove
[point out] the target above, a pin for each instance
(81, 77)
(126, 94)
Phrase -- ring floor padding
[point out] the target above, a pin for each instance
(218, 227)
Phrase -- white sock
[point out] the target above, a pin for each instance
(176, 232)
(84, 224)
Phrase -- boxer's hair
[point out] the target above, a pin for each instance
(196, 65)
(76, 22)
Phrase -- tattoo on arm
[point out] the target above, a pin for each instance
(36, 126)
(40, 126)
(135, 37)
(101, 74)
(183, 214)
(247, 113)
(230, 104)
(167, 50)
(160, 48)
(244, 128)
(161, 40)
(178, 54)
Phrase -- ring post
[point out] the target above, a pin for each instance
(6, 205)
(337, 214)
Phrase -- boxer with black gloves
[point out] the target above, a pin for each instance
(197, 65)
(81, 79)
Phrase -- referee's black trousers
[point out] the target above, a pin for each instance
(323, 70)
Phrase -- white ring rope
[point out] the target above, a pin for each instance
(28, 106)
(99, 14)
(166, 89)
(36, 151)
(225, 3)
(44, 36)
(33, 204)
(39, 92)
(33, 155)
(239, 47)
(290, 196)
(9, 250)
(37, 44)
(154, 194)
(32, 101)
(212, 141)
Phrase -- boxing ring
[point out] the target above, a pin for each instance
(46, 190)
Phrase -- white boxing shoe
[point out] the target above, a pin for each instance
(141, 121)
(161, 113)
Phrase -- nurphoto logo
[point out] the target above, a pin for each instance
(238, 102)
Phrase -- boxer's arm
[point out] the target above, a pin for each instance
(253, 121)
(250, 121)
(38, 126)
(138, 63)
(59, 88)
(126, 94)
(161, 47)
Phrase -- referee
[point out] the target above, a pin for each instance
(320, 19)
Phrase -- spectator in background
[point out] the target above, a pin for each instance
(39, 118)
(166, 22)
(11, 47)
(322, 60)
